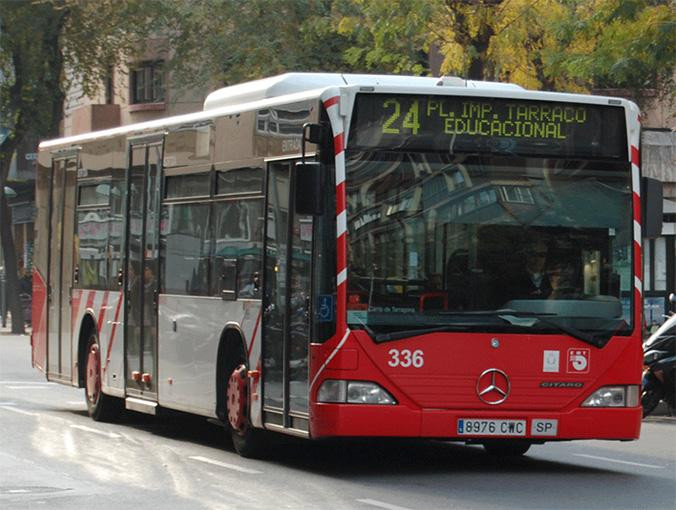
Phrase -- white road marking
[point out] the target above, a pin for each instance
(130, 438)
(32, 383)
(76, 403)
(15, 410)
(26, 387)
(381, 504)
(652, 466)
(2, 404)
(226, 466)
(111, 435)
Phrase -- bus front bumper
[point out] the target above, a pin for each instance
(354, 420)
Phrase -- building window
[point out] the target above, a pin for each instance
(110, 86)
(147, 83)
(517, 194)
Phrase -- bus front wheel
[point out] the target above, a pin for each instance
(248, 441)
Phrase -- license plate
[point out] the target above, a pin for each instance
(481, 427)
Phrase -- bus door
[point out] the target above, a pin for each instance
(60, 277)
(286, 304)
(141, 268)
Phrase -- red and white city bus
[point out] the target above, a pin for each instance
(328, 255)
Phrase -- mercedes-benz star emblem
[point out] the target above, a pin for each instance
(493, 386)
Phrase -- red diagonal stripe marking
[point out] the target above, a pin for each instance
(102, 312)
(112, 333)
(331, 101)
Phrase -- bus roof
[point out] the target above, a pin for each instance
(296, 87)
(291, 83)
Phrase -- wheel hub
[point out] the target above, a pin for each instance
(237, 398)
(93, 374)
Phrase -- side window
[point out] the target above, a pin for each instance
(93, 217)
(184, 249)
(239, 180)
(238, 235)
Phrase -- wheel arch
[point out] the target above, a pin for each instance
(231, 350)
(87, 326)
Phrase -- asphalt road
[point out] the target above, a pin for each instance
(53, 456)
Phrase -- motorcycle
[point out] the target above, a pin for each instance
(659, 366)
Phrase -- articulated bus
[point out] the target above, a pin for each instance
(327, 255)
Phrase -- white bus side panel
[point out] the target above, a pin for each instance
(189, 332)
(106, 309)
(111, 338)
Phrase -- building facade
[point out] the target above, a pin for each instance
(140, 90)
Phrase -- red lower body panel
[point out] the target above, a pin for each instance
(333, 420)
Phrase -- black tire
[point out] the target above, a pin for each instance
(651, 393)
(250, 444)
(507, 448)
(248, 441)
(100, 407)
(650, 398)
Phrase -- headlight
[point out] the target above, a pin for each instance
(613, 396)
(353, 392)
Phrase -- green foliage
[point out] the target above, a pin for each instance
(40, 39)
(387, 36)
(230, 41)
(30, 67)
(627, 44)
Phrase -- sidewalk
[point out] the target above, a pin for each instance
(7, 330)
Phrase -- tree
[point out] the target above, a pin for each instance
(564, 45)
(627, 44)
(389, 36)
(39, 39)
(223, 42)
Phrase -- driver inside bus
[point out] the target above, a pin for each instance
(533, 282)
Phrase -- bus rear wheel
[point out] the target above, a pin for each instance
(248, 441)
(101, 407)
(506, 448)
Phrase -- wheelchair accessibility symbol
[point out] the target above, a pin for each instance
(325, 308)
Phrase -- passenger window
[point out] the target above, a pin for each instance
(92, 239)
(238, 234)
(91, 244)
(240, 180)
(195, 185)
(184, 245)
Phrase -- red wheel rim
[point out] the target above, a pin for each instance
(93, 374)
(237, 398)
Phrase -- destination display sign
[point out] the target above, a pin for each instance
(495, 125)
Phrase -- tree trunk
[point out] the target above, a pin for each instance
(11, 268)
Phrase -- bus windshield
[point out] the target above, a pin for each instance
(488, 242)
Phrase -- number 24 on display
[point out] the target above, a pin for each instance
(406, 358)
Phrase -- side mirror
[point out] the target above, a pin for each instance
(308, 188)
(651, 200)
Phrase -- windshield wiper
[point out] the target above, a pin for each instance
(512, 317)
(366, 327)
(505, 314)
